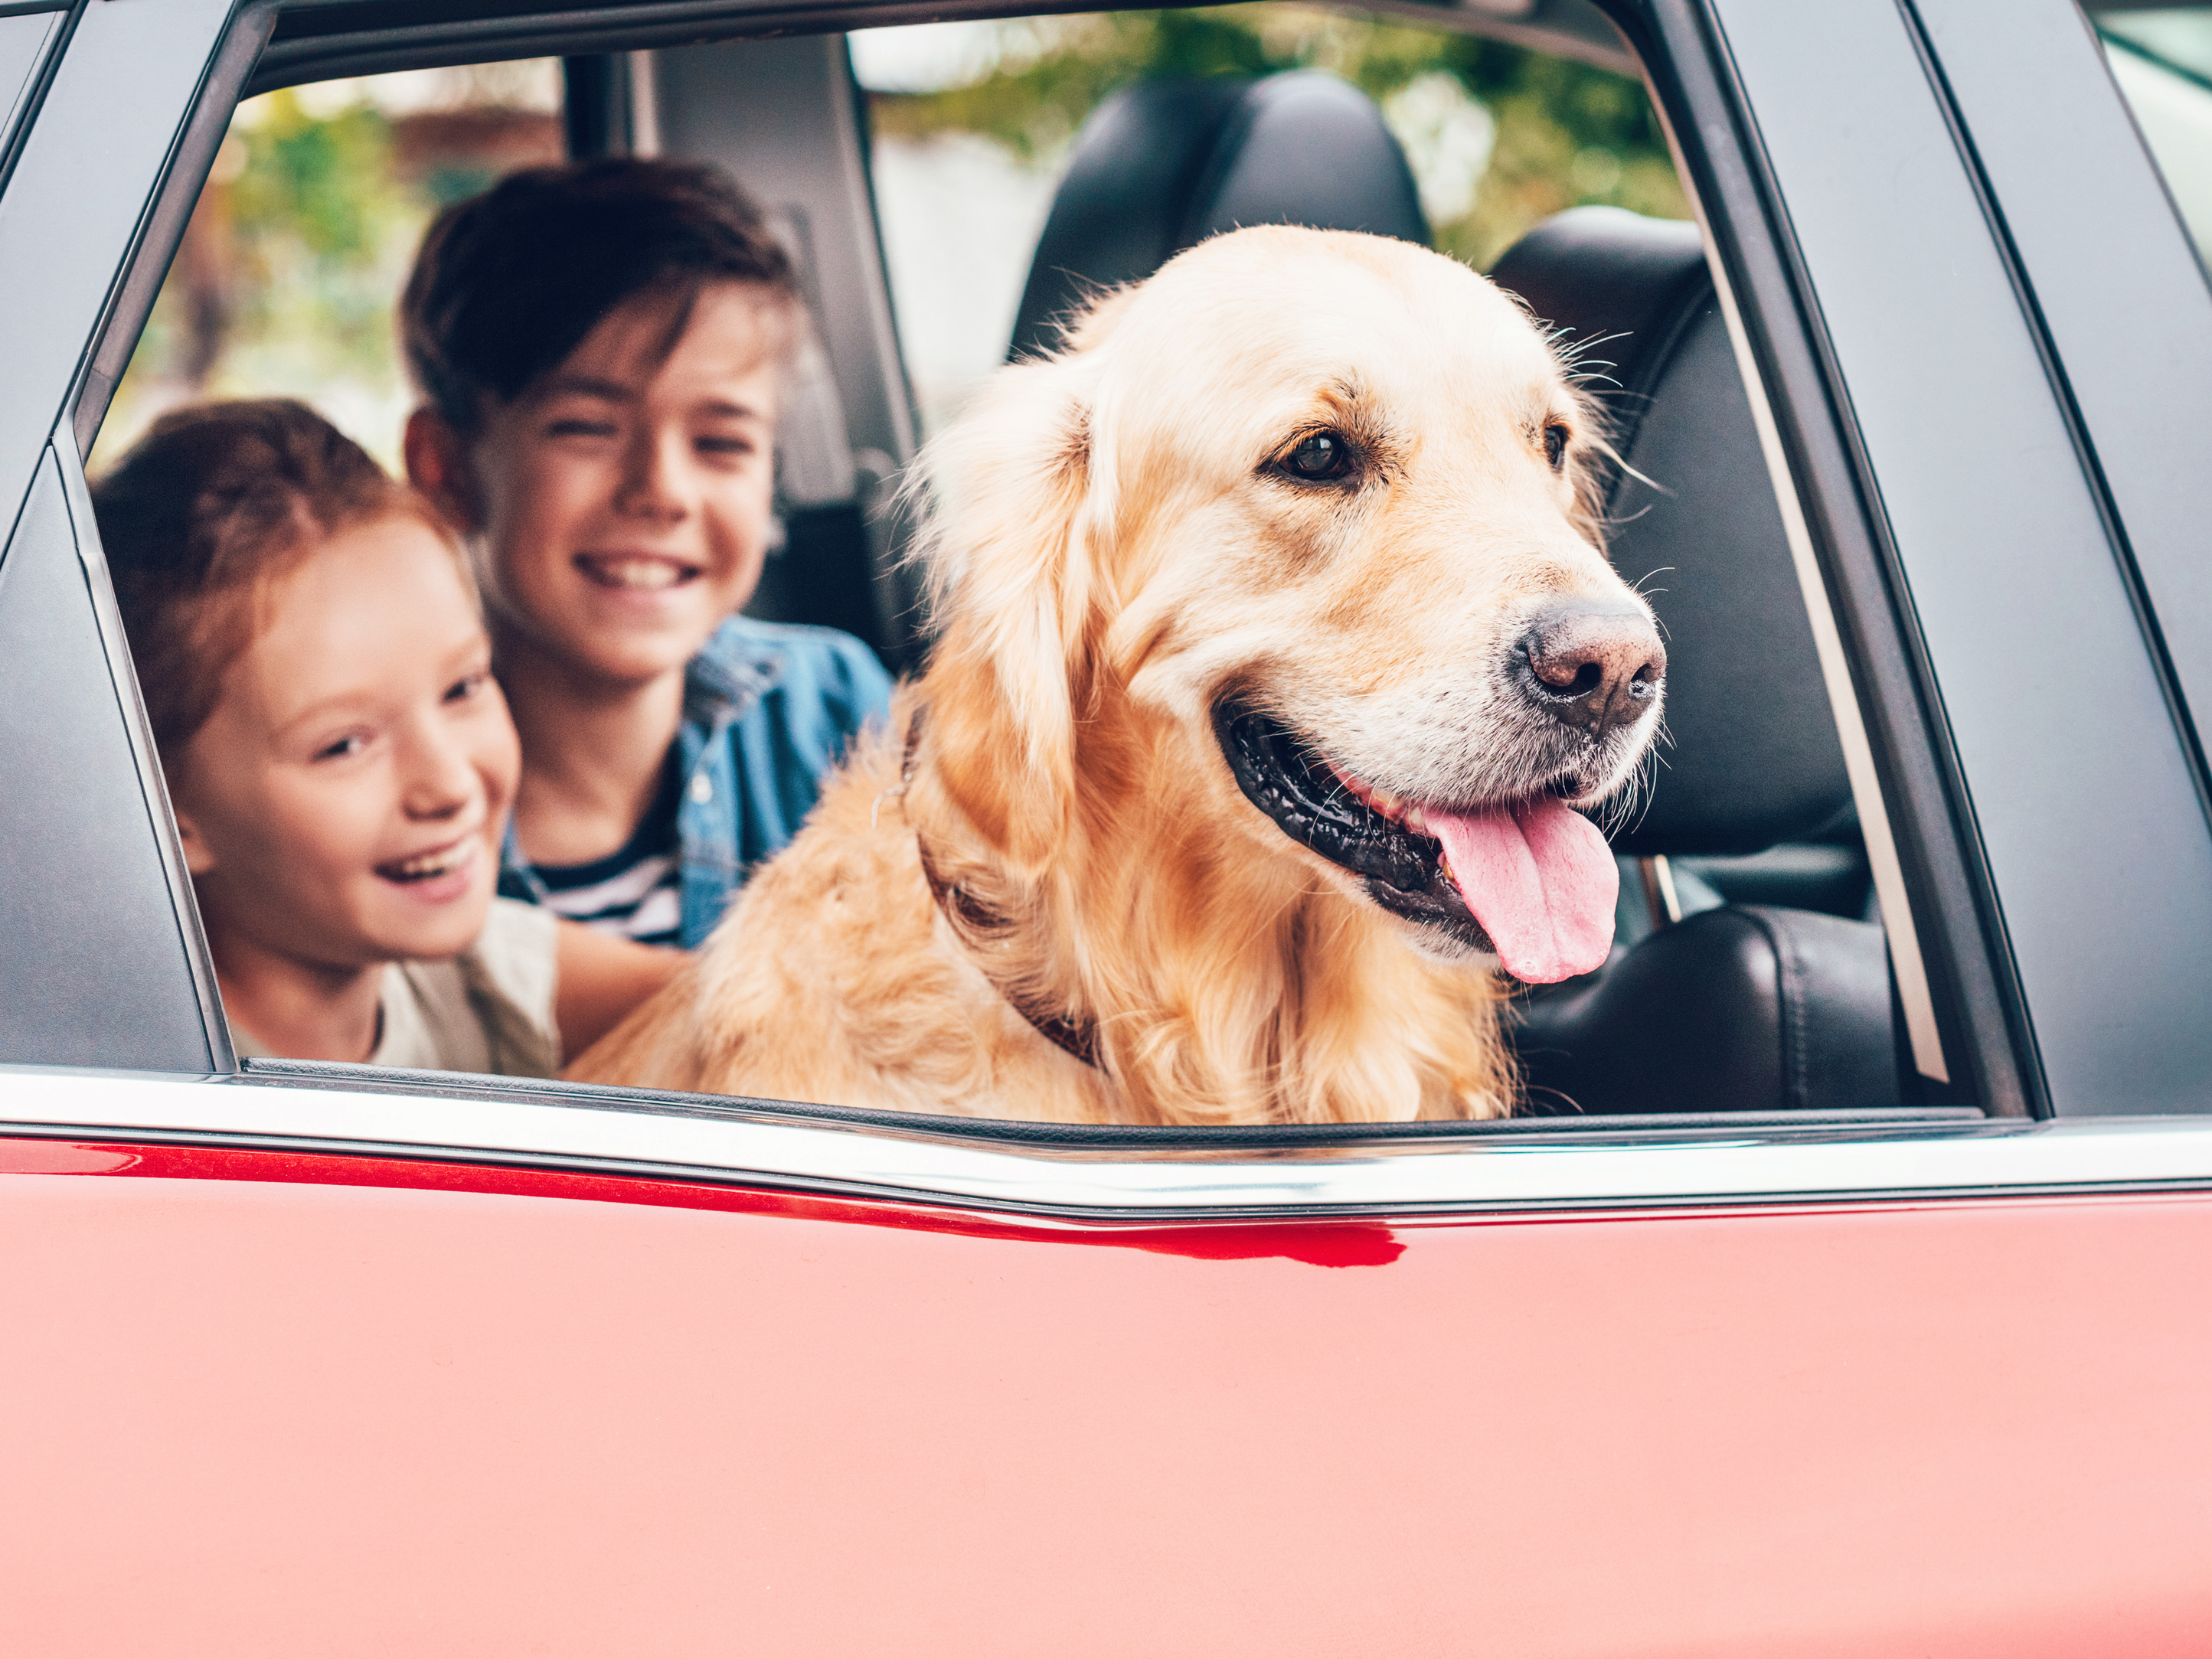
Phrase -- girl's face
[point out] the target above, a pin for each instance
(624, 502)
(345, 804)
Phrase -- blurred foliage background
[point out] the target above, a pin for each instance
(287, 279)
(1500, 137)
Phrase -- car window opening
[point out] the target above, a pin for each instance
(633, 400)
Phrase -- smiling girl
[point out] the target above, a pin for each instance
(602, 349)
(339, 755)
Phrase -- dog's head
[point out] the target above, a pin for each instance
(1312, 499)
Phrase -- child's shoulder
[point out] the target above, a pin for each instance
(489, 1009)
(743, 638)
(805, 662)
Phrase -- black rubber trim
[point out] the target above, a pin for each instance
(1020, 1136)
(317, 40)
(320, 38)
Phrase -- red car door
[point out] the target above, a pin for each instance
(306, 1359)
(279, 1388)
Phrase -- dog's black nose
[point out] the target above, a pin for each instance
(1595, 667)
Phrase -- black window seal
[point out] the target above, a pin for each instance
(1015, 1134)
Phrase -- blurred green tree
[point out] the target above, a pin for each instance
(296, 250)
(1562, 133)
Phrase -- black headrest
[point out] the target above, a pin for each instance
(1753, 758)
(1163, 165)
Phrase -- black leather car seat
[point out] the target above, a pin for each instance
(1740, 1008)
(1163, 165)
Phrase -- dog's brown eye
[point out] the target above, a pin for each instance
(1320, 455)
(1555, 444)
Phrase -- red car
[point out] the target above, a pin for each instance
(1860, 1307)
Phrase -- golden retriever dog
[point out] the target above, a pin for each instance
(1277, 656)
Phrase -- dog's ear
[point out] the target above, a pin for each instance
(1017, 527)
(1090, 329)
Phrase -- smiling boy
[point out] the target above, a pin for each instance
(600, 350)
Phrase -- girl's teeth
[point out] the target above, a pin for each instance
(430, 864)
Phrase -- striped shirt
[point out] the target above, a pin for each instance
(635, 891)
(768, 708)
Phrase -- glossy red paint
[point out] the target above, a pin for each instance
(269, 1405)
(1330, 1244)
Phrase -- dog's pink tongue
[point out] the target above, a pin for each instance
(1542, 883)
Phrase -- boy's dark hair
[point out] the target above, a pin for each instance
(204, 515)
(507, 283)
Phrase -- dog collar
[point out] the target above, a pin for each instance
(964, 913)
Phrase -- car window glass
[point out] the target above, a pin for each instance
(287, 282)
(2162, 61)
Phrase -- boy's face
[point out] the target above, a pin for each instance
(624, 502)
(344, 805)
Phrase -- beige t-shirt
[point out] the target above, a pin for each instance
(489, 1009)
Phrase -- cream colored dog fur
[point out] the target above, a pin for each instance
(1116, 547)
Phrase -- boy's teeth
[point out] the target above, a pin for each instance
(638, 572)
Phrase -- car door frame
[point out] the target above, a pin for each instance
(1975, 991)
(2059, 980)
(133, 101)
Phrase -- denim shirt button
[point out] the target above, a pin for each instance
(702, 788)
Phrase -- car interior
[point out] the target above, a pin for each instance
(1750, 973)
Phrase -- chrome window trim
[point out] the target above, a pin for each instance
(759, 1145)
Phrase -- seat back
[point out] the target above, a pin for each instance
(1163, 165)
(1740, 1008)
(1751, 757)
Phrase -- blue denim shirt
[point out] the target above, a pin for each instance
(768, 708)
